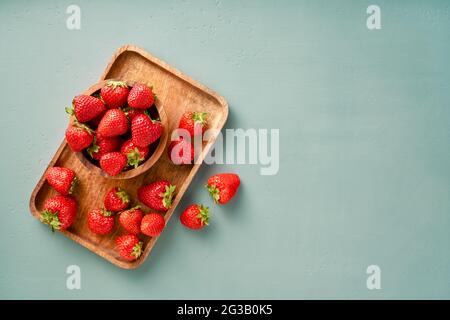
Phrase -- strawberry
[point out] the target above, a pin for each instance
(129, 247)
(145, 131)
(141, 97)
(131, 113)
(116, 200)
(223, 186)
(114, 123)
(195, 216)
(100, 221)
(134, 154)
(85, 108)
(115, 94)
(131, 219)
(181, 151)
(78, 136)
(59, 212)
(113, 163)
(157, 195)
(152, 224)
(193, 122)
(102, 145)
(63, 180)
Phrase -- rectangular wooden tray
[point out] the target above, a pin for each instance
(177, 93)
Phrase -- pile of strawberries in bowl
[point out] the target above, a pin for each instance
(117, 128)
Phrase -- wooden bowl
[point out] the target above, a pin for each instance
(156, 148)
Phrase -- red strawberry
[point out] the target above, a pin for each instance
(59, 212)
(113, 163)
(131, 219)
(78, 136)
(145, 131)
(61, 179)
(115, 94)
(134, 154)
(116, 200)
(194, 122)
(181, 151)
(141, 97)
(102, 145)
(96, 121)
(157, 195)
(223, 186)
(100, 221)
(131, 113)
(114, 123)
(129, 247)
(152, 224)
(85, 108)
(195, 216)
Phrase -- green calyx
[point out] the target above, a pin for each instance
(83, 126)
(73, 185)
(93, 148)
(51, 219)
(199, 117)
(137, 250)
(106, 213)
(203, 215)
(134, 158)
(123, 196)
(114, 84)
(214, 192)
(168, 196)
(70, 111)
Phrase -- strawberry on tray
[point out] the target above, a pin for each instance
(116, 180)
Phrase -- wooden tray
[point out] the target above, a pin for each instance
(176, 93)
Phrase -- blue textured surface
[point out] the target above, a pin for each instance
(364, 124)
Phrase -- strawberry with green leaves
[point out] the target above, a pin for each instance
(116, 200)
(79, 136)
(157, 195)
(141, 96)
(85, 108)
(152, 224)
(144, 130)
(102, 145)
(131, 112)
(131, 219)
(129, 247)
(181, 151)
(115, 94)
(223, 187)
(113, 163)
(195, 216)
(135, 155)
(114, 123)
(63, 180)
(59, 212)
(194, 122)
(100, 221)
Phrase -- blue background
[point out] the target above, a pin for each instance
(364, 146)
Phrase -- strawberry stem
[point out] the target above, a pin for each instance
(203, 215)
(214, 192)
(51, 219)
(168, 196)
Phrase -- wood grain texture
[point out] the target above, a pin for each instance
(176, 93)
